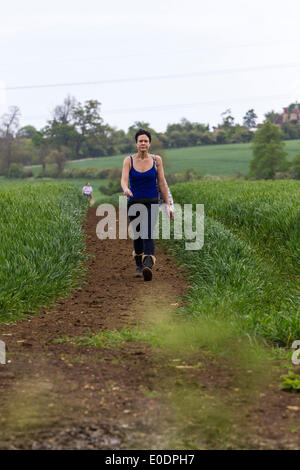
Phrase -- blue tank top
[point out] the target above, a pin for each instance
(143, 183)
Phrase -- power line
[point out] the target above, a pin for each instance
(177, 105)
(157, 77)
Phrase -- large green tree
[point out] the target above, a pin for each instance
(60, 129)
(268, 152)
(94, 137)
(80, 128)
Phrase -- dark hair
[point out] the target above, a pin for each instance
(142, 132)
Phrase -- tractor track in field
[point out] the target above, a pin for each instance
(63, 396)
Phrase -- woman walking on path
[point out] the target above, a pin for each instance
(145, 173)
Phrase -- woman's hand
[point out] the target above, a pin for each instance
(127, 192)
(170, 212)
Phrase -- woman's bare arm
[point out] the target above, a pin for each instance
(125, 177)
(162, 184)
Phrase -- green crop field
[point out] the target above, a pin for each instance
(248, 270)
(78, 183)
(41, 245)
(227, 160)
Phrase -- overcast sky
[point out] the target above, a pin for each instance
(155, 61)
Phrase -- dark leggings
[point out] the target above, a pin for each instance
(144, 243)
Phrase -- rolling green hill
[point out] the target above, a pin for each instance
(227, 160)
(207, 159)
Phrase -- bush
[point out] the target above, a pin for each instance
(187, 176)
(29, 174)
(295, 167)
(171, 179)
(112, 188)
(184, 177)
(283, 175)
(86, 173)
(16, 170)
(103, 174)
(49, 173)
(115, 173)
(67, 173)
(76, 173)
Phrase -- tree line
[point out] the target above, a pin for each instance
(77, 131)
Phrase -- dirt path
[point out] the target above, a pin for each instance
(63, 396)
